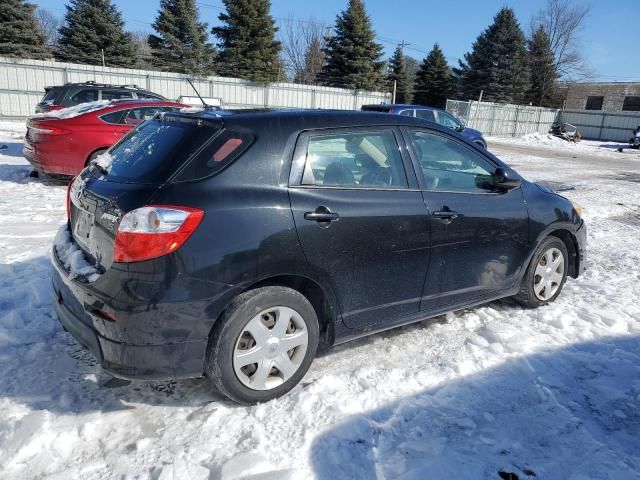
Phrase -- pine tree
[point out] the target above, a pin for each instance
(434, 81)
(498, 63)
(92, 27)
(543, 70)
(181, 43)
(248, 48)
(20, 35)
(398, 75)
(353, 56)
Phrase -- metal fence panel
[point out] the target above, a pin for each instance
(497, 119)
(22, 85)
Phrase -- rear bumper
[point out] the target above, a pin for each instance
(48, 163)
(140, 355)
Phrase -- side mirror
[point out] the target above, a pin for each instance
(502, 180)
(459, 128)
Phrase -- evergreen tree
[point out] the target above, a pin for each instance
(498, 63)
(353, 56)
(20, 35)
(434, 81)
(411, 66)
(398, 75)
(543, 70)
(181, 43)
(92, 27)
(248, 48)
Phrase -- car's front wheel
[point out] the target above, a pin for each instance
(546, 274)
(262, 345)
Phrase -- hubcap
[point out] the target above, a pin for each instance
(270, 348)
(549, 274)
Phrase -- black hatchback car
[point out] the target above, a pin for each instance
(230, 245)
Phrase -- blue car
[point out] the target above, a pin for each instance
(433, 115)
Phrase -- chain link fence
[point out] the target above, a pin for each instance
(505, 120)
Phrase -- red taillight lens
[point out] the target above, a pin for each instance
(69, 198)
(153, 231)
(48, 130)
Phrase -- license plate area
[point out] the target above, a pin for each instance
(82, 228)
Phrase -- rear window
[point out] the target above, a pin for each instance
(50, 96)
(156, 149)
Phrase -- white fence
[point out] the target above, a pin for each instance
(517, 120)
(22, 85)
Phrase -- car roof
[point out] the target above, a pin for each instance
(298, 120)
(96, 85)
(401, 105)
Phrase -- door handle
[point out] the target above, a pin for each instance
(446, 216)
(322, 214)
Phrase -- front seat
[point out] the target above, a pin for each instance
(338, 174)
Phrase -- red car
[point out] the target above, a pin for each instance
(64, 141)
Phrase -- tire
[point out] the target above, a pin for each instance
(530, 294)
(95, 155)
(257, 312)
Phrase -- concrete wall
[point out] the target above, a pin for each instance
(613, 93)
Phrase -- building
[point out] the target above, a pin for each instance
(605, 96)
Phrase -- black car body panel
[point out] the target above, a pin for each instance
(386, 261)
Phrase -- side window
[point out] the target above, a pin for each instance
(115, 94)
(358, 159)
(139, 115)
(223, 150)
(447, 120)
(147, 95)
(426, 115)
(83, 96)
(114, 117)
(408, 113)
(449, 165)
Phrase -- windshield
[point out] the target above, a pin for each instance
(156, 149)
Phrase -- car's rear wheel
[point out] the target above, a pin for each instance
(546, 274)
(262, 345)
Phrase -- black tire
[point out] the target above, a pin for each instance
(219, 360)
(95, 155)
(527, 297)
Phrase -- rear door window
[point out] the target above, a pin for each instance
(355, 159)
(83, 96)
(426, 115)
(116, 94)
(155, 150)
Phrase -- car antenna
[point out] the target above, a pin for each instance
(204, 104)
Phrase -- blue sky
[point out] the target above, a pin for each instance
(610, 40)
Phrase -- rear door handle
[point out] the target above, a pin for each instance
(446, 215)
(322, 214)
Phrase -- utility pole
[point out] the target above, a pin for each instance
(402, 44)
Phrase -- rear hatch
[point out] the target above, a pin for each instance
(128, 176)
(50, 100)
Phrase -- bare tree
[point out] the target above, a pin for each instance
(563, 20)
(49, 25)
(143, 50)
(302, 44)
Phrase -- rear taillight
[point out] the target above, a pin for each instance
(50, 130)
(153, 231)
(69, 198)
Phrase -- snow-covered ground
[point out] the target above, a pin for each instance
(594, 147)
(552, 393)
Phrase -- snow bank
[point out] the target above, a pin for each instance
(546, 140)
(72, 257)
(76, 110)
